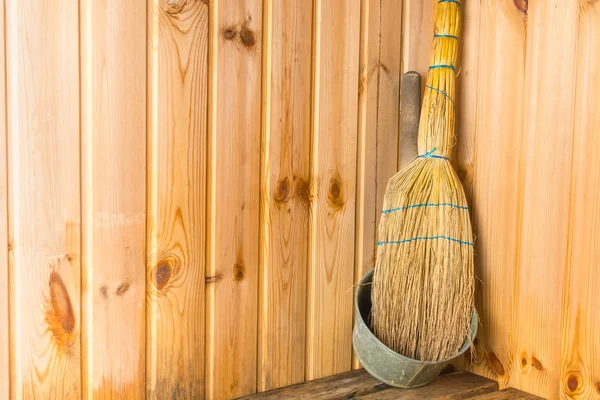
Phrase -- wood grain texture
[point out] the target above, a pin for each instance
(284, 192)
(388, 111)
(4, 309)
(508, 394)
(368, 103)
(545, 181)
(359, 384)
(580, 364)
(333, 187)
(44, 206)
(351, 384)
(177, 118)
(366, 183)
(234, 176)
(456, 386)
(489, 145)
(113, 63)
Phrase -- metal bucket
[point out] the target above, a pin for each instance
(384, 363)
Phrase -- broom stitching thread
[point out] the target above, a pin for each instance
(430, 154)
(442, 92)
(391, 210)
(441, 35)
(425, 238)
(443, 66)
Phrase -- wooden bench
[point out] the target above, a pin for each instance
(359, 384)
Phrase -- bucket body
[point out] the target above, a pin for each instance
(382, 362)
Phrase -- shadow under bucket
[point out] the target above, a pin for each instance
(382, 362)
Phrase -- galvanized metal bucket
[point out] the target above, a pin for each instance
(384, 363)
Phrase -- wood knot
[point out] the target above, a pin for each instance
(162, 274)
(283, 191)
(230, 33)
(123, 287)
(572, 383)
(175, 6)
(524, 361)
(61, 303)
(495, 364)
(335, 196)
(247, 37)
(537, 364)
(522, 5)
(598, 387)
(104, 291)
(238, 272)
(302, 190)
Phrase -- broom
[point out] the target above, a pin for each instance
(423, 283)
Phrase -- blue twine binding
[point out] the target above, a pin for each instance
(430, 154)
(442, 92)
(440, 35)
(443, 66)
(425, 238)
(391, 210)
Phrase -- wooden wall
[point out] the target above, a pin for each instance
(190, 188)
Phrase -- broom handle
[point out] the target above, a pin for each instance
(436, 126)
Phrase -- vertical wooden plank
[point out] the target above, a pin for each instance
(366, 183)
(113, 62)
(580, 369)
(234, 189)
(333, 188)
(4, 311)
(388, 118)
(44, 202)
(552, 28)
(368, 104)
(492, 82)
(284, 192)
(177, 119)
(417, 31)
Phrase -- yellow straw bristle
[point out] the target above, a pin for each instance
(423, 284)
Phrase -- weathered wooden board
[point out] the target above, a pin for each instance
(580, 364)
(508, 394)
(456, 386)
(489, 145)
(177, 161)
(333, 187)
(358, 384)
(284, 192)
(234, 179)
(113, 67)
(544, 188)
(43, 201)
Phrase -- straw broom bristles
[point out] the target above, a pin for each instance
(423, 284)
